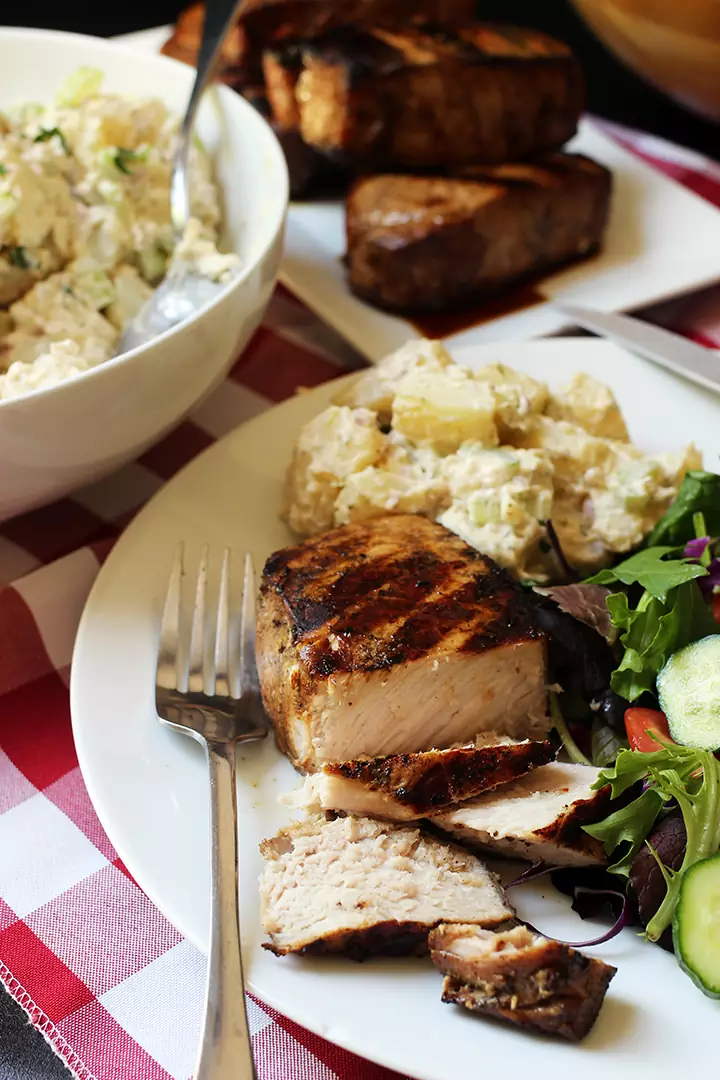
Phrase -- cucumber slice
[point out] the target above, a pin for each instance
(689, 691)
(696, 925)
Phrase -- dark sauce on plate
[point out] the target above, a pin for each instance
(445, 324)
(520, 297)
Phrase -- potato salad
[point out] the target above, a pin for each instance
(85, 230)
(491, 454)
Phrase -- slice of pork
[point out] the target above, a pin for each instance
(360, 887)
(392, 636)
(405, 787)
(521, 977)
(540, 816)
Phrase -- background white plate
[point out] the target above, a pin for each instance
(149, 784)
(662, 240)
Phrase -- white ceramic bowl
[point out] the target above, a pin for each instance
(55, 440)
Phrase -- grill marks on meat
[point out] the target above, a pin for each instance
(436, 96)
(521, 977)
(364, 888)
(405, 787)
(390, 636)
(278, 20)
(370, 595)
(442, 777)
(537, 817)
(430, 243)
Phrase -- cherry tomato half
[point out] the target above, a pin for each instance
(637, 724)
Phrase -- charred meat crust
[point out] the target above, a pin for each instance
(425, 243)
(385, 939)
(541, 984)
(402, 598)
(569, 1016)
(568, 828)
(562, 840)
(352, 612)
(276, 20)
(438, 778)
(371, 54)
(437, 97)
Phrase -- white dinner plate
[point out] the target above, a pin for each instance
(662, 241)
(149, 784)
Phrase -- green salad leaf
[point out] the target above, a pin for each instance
(670, 613)
(623, 832)
(653, 570)
(692, 778)
(652, 631)
(698, 493)
(606, 743)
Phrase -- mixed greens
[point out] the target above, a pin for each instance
(635, 655)
(690, 777)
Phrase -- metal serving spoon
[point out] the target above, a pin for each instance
(182, 291)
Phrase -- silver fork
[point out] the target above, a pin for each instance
(195, 692)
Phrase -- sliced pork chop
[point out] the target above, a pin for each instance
(540, 816)
(522, 977)
(365, 888)
(405, 787)
(394, 636)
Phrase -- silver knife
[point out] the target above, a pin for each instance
(668, 350)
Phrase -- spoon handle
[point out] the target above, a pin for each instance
(219, 17)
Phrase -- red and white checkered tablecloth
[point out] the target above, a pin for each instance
(109, 982)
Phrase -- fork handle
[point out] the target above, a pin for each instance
(225, 1050)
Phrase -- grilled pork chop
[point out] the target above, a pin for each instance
(235, 65)
(432, 243)
(393, 636)
(405, 787)
(281, 69)
(539, 816)
(437, 97)
(277, 20)
(310, 173)
(365, 888)
(240, 67)
(521, 977)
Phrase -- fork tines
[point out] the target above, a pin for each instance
(205, 667)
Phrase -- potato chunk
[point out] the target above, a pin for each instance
(591, 405)
(333, 446)
(444, 410)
